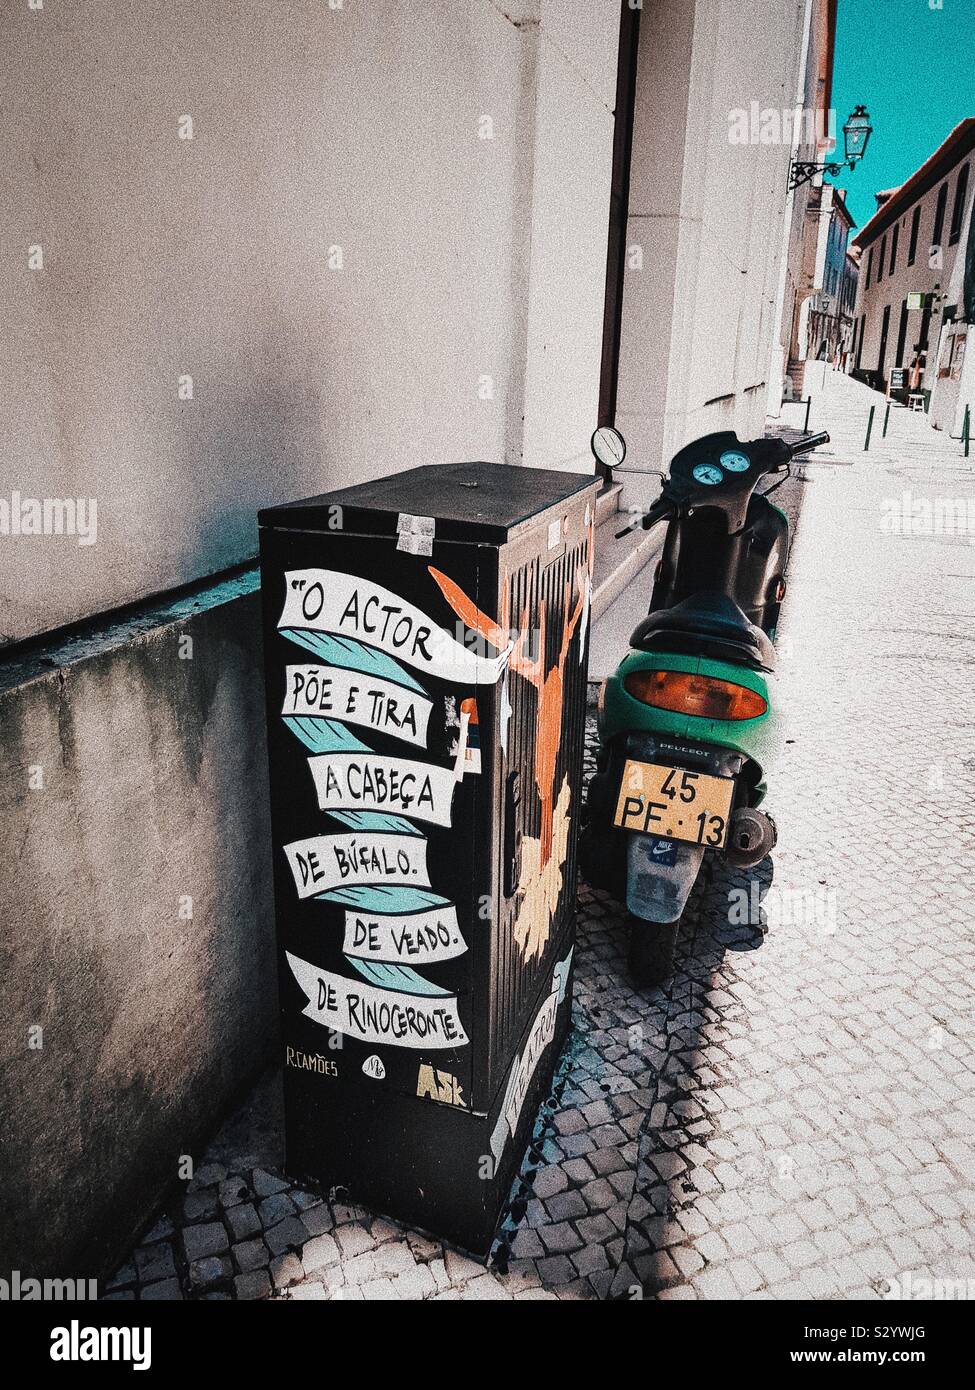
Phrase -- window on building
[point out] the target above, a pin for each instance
(939, 215)
(863, 324)
(884, 330)
(893, 249)
(958, 210)
(882, 260)
(869, 267)
(901, 335)
(915, 228)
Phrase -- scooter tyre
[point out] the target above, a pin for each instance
(652, 949)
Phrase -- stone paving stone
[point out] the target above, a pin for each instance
(275, 1208)
(556, 1269)
(285, 1270)
(317, 1220)
(424, 1249)
(208, 1239)
(560, 1238)
(162, 1230)
(415, 1283)
(590, 1260)
(265, 1184)
(486, 1286)
(286, 1235)
(550, 1180)
(201, 1205)
(250, 1255)
(232, 1191)
(353, 1240)
(206, 1176)
(255, 1283)
(168, 1289)
(243, 1220)
(212, 1269)
(154, 1262)
(346, 1212)
(461, 1267)
(565, 1205)
(320, 1251)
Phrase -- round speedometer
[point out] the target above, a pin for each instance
(734, 461)
(708, 473)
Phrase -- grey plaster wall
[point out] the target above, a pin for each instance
(132, 781)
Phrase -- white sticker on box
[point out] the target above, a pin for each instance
(414, 544)
(415, 533)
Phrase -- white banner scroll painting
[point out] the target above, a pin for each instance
(334, 692)
(372, 1015)
(415, 938)
(372, 782)
(320, 600)
(324, 862)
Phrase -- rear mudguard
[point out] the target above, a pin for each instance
(661, 873)
(659, 876)
(756, 739)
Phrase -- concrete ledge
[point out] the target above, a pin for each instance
(136, 902)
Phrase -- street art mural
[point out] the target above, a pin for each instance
(372, 643)
(378, 662)
(543, 858)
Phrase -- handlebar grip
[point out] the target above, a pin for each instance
(810, 441)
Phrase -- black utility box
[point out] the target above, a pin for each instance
(426, 642)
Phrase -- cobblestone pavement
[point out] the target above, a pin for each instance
(793, 1116)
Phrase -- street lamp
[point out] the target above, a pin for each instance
(856, 133)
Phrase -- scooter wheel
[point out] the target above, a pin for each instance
(652, 948)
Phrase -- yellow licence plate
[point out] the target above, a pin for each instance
(674, 803)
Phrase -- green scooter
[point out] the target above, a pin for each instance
(688, 724)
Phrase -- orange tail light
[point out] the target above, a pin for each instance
(702, 695)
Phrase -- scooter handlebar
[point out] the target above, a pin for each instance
(809, 441)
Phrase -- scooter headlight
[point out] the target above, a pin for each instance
(684, 693)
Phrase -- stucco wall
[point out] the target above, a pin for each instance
(133, 791)
(455, 153)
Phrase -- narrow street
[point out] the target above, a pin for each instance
(792, 1116)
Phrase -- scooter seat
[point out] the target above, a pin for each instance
(710, 623)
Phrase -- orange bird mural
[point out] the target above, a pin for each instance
(548, 684)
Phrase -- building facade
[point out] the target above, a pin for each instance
(814, 142)
(826, 318)
(908, 251)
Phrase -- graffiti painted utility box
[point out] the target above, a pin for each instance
(426, 640)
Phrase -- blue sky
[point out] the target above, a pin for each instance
(913, 67)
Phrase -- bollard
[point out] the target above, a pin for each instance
(886, 419)
(805, 427)
(866, 442)
(966, 428)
